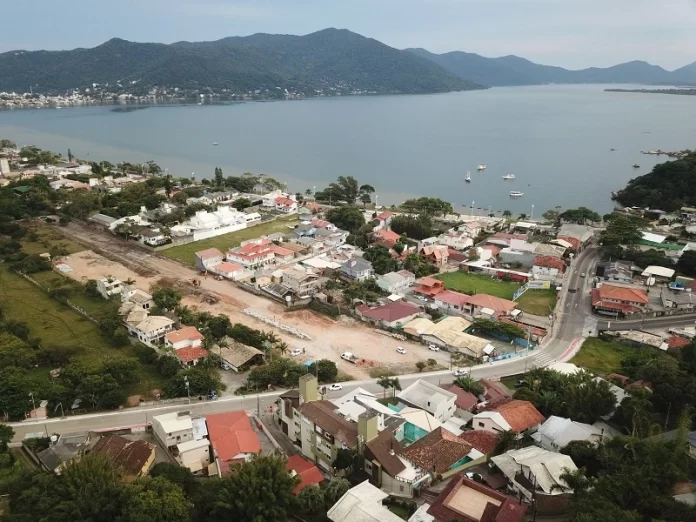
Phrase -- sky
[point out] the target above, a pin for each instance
(568, 33)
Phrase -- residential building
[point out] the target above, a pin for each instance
(323, 432)
(362, 503)
(483, 441)
(510, 256)
(67, 449)
(483, 304)
(130, 221)
(515, 415)
(618, 300)
(396, 282)
(140, 299)
(465, 500)
(384, 219)
(173, 428)
(393, 314)
(101, 220)
(435, 254)
(429, 286)
(307, 472)
(549, 250)
(232, 438)
(133, 457)
(255, 254)
(619, 271)
(547, 267)
(286, 205)
(204, 224)
(441, 452)
(494, 392)
(429, 397)
(191, 355)
(386, 237)
(659, 273)
(678, 298)
(282, 255)
(303, 283)
(237, 356)
(231, 271)
(534, 471)
(449, 333)
(193, 454)
(331, 238)
(208, 258)
(185, 338)
(108, 287)
(268, 201)
(152, 236)
(322, 223)
(557, 432)
(418, 423)
(357, 269)
(581, 233)
(457, 239)
(151, 330)
(452, 303)
(465, 401)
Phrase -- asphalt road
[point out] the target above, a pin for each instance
(572, 323)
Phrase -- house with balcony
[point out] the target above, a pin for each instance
(436, 255)
(386, 237)
(173, 428)
(357, 269)
(255, 254)
(429, 287)
(619, 301)
(396, 282)
(286, 205)
(109, 287)
(301, 282)
(204, 224)
(429, 397)
(150, 330)
(152, 237)
(185, 338)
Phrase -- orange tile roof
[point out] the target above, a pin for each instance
(189, 333)
(572, 240)
(186, 355)
(549, 262)
(280, 251)
(520, 415)
(228, 267)
(494, 303)
(622, 293)
(387, 235)
(308, 473)
(209, 253)
(453, 298)
(230, 435)
(385, 215)
(677, 342)
(286, 202)
(483, 441)
(437, 451)
(494, 249)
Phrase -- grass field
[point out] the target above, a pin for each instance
(60, 326)
(536, 302)
(46, 239)
(603, 357)
(186, 253)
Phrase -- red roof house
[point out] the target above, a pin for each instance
(308, 473)
(387, 237)
(497, 304)
(618, 299)
(574, 241)
(191, 356)
(429, 286)
(548, 262)
(391, 313)
(483, 441)
(232, 438)
(465, 400)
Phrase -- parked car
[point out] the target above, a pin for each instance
(459, 372)
(295, 352)
(521, 383)
(225, 366)
(582, 275)
(434, 348)
(335, 387)
(400, 350)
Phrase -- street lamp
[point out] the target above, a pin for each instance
(188, 393)
(532, 215)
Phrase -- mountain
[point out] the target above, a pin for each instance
(326, 59)
(513, 70)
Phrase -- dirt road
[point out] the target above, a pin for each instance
(113, 256)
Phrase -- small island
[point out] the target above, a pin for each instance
(683, 92)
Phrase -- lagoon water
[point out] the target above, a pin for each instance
(555, 139)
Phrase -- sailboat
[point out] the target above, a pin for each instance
(468, 177)
(482, 166)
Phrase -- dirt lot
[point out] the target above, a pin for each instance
(329, 338)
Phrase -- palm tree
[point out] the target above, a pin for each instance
(468, 383)
(282, 347)
(385, 382)
(507, 213)
(308, 192)
(547, 401)
(395, 386)
(271, 337)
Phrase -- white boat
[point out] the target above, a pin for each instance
(509, 176)
(516, 194)
(482, 166)
(215, 143)
(468, 177)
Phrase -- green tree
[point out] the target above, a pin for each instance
(259, 491)
(395, 386)
(507, 213)
(6, 436)
(580, 215)
(345, 459)
(366, 192)
(345, 188)
(334, 491)
(687, 263)
(155, 500)
(427, 206)
(468, 383)
(325, 370)
(421, 365)
(175, 474)
(384, 382)
(622, 230)
(381, 259)
(166, 298)
(242, 203)
(311, 501)
(417, 227)
(346, 217)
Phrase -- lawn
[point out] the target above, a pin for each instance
(536, 302)
(60, 326)
(603, 357)
(43, 238)
(400, 511)
(186, 253)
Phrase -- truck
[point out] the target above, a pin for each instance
(350, 357)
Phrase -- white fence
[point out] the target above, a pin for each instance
(272, 322)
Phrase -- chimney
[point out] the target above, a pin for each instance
(308, 388)
(367, 426)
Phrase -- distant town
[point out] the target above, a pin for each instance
(361, 362)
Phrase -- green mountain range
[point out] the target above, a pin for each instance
(327, 59)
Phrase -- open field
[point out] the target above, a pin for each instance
(60, 326)
(44, 238)
(186, 253)
(603, 357)
(536, 302)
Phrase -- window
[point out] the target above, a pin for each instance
(481, 424)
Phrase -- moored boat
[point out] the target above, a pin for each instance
(516, 194)
(482, 166)
(509, 176)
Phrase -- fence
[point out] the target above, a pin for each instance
(284, 327)
(66, 301)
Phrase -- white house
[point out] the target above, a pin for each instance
(152, 236)
(253, 254)
(286, 205)
(231, 271)
(363, 503)
(204, 224)
(557, 432)
(188, 337)
(396, 282)
(438, 402)
(134, 220)
(151, 330)
(108, 287)
(173, 428)
(130, 294)
(194, 454)
(269, 200)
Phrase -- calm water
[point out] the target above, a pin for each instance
(555, 139)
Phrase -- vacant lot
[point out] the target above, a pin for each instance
(536, 302)
(603, 357)
(60, 326)
(186, 253)
(42, 238)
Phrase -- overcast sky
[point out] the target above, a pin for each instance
(569, 33)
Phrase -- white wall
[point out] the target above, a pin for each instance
(206, 234)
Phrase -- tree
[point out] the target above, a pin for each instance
(259, 491)
(622, 230)
(6, 436)
(345, 188)
(421, 365)
(335, 490)
(522, 216)
(395, 386)
(242, 203)
(218, 180)
(417, 227)
(381, 259)
(552, 215)
(427, 206)
(179, 475)
(345, 459)
(385, 382)
(325, 370)
(311, 500)
(346, 217)
(399, 248)
(155, 500)
(166, 298)
(687, 263)
(580, 215)
(468, 383)
(507, 213)
(366, 192)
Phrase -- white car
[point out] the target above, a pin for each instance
(335, 387)
(401, 350)
(295, 352)
(459, 372)
(434, 348)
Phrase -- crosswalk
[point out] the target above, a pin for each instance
(540, 359)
